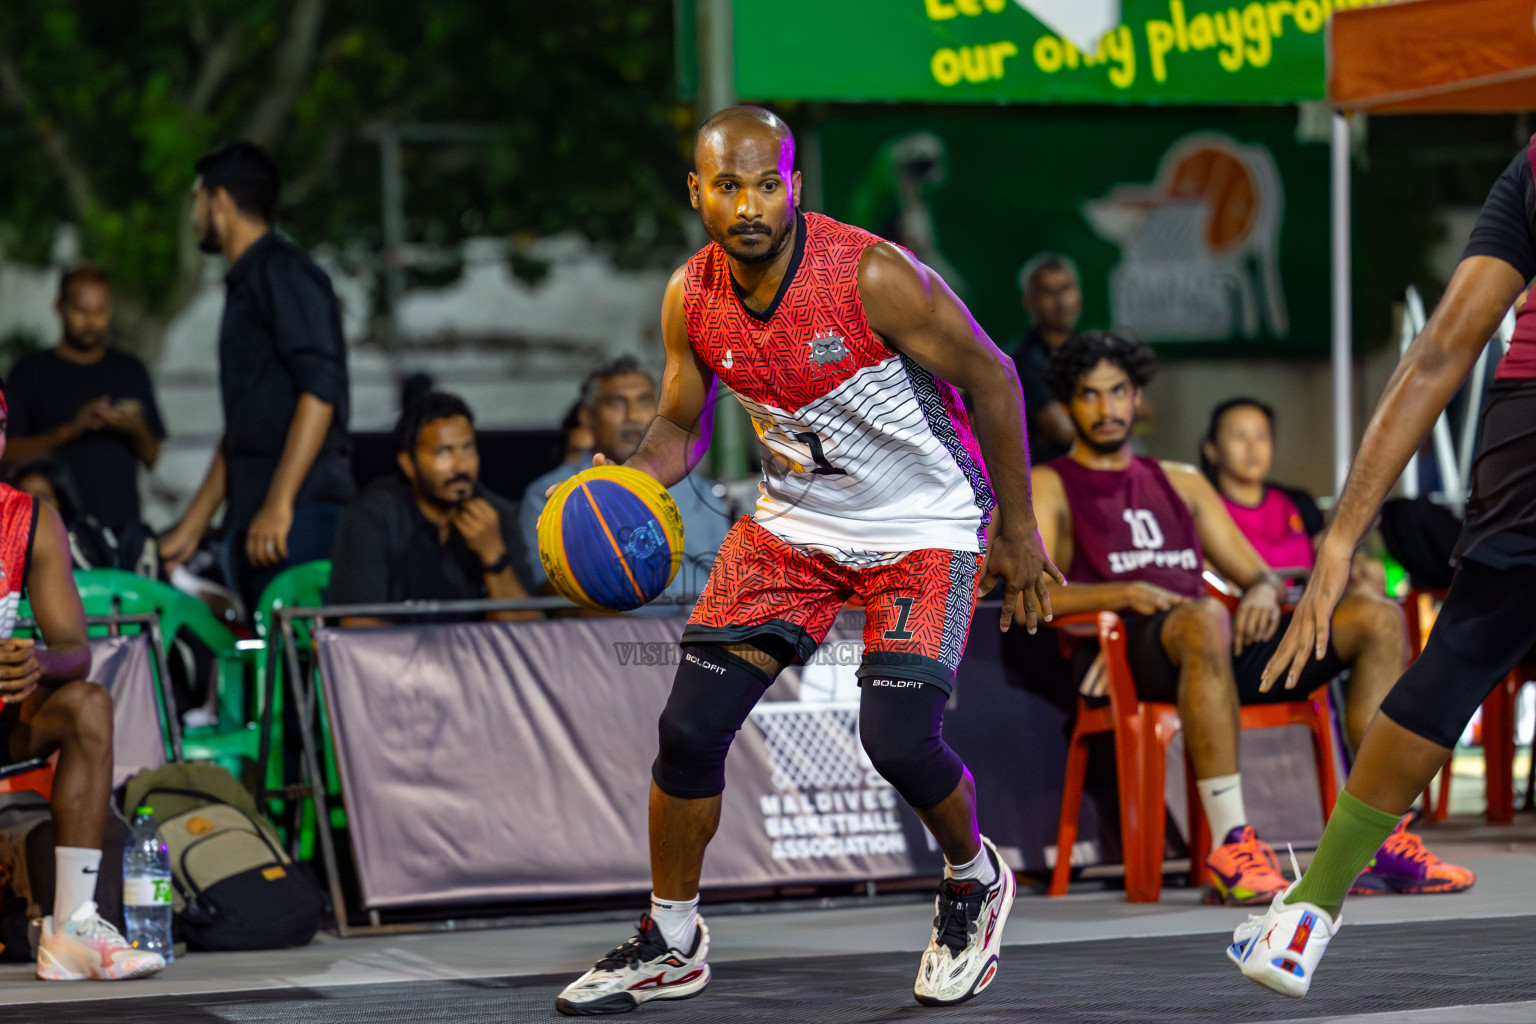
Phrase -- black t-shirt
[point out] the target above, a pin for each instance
(1032, 357)
(45, 390)
(1507, 222)
(280, 337)
(387, 551)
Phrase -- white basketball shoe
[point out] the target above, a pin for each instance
(640, 969)
(961, 958)
(1281, 949)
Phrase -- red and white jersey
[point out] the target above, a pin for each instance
(871, 454)
(18, 525)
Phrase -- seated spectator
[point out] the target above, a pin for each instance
(1053, 297)
(1282, 523)
(51, 709)
(1132, 533)
(432, 533)
(575, 447)
(617, 404)
(132, 548)
(87, 404)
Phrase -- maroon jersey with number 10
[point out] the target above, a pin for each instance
(1131, 524)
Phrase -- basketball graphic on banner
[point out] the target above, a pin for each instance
(611, 538)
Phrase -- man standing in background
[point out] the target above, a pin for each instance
(1054, 298)
(88, 405)
(282, 463)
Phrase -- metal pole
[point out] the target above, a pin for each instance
(717, 90)
(1343, 368)
(392, 189)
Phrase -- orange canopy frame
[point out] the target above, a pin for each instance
(1424, 56)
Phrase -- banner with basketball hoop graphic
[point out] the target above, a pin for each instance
(1200, 227)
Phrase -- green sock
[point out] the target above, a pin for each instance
(1354, 833)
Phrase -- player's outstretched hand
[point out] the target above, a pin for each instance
(1021, 563)
(1307, 638)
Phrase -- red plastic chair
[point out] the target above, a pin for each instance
(1142, 731)
(35, 775)
(1498, 723)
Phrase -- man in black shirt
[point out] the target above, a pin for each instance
(282, 463)
(433, 533)
(91, 407)
(1054, 299)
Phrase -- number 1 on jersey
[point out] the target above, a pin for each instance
(823, 467)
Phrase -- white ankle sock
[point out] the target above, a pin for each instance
(678, 921)
(77, 869)
(979, 868)
(1222, 798)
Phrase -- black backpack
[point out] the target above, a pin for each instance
(235, 888)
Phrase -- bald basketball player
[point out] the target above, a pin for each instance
(846, 352)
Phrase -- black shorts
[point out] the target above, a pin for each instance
(1157, 677)
(1500, 526)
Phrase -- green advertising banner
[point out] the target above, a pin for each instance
(994, 51)
(1204, 229)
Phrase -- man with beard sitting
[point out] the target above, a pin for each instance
(432, 533)
(1134, 533)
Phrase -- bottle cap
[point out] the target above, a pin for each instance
(146, 809)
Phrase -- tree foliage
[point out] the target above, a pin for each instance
(105, 106)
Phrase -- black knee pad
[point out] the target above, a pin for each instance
(1484, 629)
(901, 727)
(711, 696)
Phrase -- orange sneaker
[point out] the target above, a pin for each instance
(1405, 865)
(1243, 871)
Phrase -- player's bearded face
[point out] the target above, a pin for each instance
(746, 189)
(1104, 408)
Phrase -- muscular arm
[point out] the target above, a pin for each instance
(916, 314)
(56, 604)
(1426, 379)
(679, 435)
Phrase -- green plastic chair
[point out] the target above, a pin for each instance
(105, 591)
(302, 586)
(117, 592)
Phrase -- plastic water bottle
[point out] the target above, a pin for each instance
(147, 886)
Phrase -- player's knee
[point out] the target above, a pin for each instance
(89, 707)
(1373, 618)
(904, 741)
(711, 697)
(690, 762)
(1202, 627)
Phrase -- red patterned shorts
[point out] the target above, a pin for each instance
(917, 610)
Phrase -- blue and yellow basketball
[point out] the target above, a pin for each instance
(611, 538)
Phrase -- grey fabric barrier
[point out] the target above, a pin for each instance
(495, 761)
(122, 665)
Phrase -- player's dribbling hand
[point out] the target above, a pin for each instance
(1019, 560)
(1307, 638)
(20, 671)
(598, 459)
